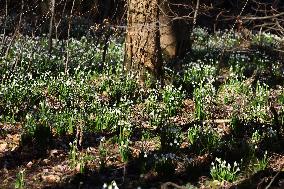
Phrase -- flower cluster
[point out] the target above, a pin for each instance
(112, 185)
(223, 171)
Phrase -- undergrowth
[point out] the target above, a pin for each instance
(231, 104)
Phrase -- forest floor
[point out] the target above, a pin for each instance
(216, 123)
(51, 168)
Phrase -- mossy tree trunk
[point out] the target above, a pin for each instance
(143, 51)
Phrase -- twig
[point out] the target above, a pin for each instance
(262, 17)
(171, 184)
(57, 25)
(217, 121)
(273, 179)
(196, 12)
(240, 15)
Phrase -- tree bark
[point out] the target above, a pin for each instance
(174, 29)
(143, 51)
(168, 38)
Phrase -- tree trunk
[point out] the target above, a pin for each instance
(143, 38)
(175, 32)
(168, 38)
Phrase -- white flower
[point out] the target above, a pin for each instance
(218, 160)
(114, 184)
(229, 166)
(103, 139)
(145, 155)
(30, 75)
(105, 185)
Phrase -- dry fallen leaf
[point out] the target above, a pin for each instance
(51, 178)
(3, 147)
(78, 167)
(45, 161)
(30, 164)
(53, 152)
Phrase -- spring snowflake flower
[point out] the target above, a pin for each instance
(103, 139)
(229, 166)
(145, 155)
(218, 160)
(114, 185)
(105, 185)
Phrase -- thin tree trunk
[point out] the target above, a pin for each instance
(143, 39)
(68, 38)
(52, 6)
(59, 22)
(17, 30)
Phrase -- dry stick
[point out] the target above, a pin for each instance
(52, 5)
(195, 13)
(68, 36)
(124, 173)
(79, 133)
(57, 25)
(263, 17)
(272, 180)
(194, 19)
(240, 14)
(170, 185)
(217, 121)
(105, 48)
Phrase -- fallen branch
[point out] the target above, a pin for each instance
(171, 184)
(273, 179)
(217, 121)
(262, 17)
